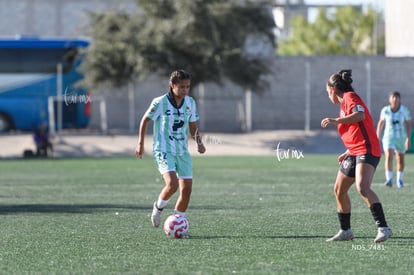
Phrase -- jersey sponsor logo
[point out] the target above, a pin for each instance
(169, 113)
(177, 125)
(172, 138)
(188, 111)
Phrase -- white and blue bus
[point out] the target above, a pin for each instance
(29, 78)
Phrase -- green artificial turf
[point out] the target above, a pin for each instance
(248, 215)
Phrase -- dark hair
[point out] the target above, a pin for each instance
(179, 75)
(395, 93)
(341, 81)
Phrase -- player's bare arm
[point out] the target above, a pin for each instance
(408, 130)
(352, 118)
(195, 133)
(139, 151)
(380, 127)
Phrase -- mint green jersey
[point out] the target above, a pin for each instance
(395, 122)
(171, 123)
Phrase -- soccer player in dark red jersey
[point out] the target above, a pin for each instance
(358, 163)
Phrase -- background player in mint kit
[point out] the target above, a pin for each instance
(358, 163)
(174, 115)
(396, 138)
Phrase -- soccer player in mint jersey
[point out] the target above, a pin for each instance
(396, 137)
(358, 163)
(174, 116)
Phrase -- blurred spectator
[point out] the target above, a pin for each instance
(42, 141)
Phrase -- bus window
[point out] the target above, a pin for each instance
(28, 77)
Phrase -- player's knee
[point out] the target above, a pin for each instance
(338, 192)
(187, 186)
(187, 190)
(363, 191)
(172, 186)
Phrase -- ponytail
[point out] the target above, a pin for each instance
(341, 81)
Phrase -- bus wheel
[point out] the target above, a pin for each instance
(5, 123)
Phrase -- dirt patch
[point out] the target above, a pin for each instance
(255, 143)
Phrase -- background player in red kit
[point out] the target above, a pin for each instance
(358, 163)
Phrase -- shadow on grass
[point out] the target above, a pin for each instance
(400, 238)
(259, 237)
(6, 209)
(65, 208)
(393, 241)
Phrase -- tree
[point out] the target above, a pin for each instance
(111, 56)
(346, 31)
(206, 37)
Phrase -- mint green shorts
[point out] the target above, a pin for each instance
(182, 165)
(397, 144)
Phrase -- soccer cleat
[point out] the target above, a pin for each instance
(342, 235)
(156, 215)
(400, 184)
(383, 234)
(388, 183)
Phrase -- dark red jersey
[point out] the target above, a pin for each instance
(359, 138)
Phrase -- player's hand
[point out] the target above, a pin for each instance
(139, 150)
(342, 157)
(326, 121)
(201, 148)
